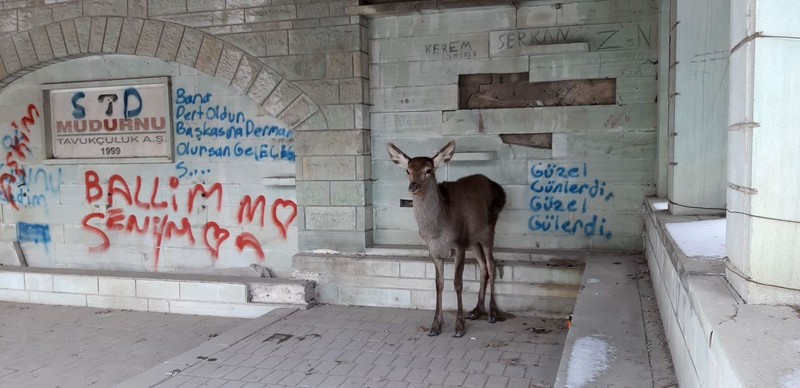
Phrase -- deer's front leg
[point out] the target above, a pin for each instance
(438, 319)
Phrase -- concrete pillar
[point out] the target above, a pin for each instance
(763, 220)
(698, 106)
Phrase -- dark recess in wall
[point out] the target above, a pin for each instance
(512, 90)
(532, 140)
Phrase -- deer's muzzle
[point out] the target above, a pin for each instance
(414, 187)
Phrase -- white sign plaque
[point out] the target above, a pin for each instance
(111, 120)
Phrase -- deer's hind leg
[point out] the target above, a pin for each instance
(481, 259)
(458, 284)
(490, 269)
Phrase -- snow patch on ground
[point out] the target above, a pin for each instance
(325, 252)
(661, 205)
(589, 358)
(791, 380)
(699, 238)
(592, 280)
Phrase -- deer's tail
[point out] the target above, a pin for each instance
(498, 201)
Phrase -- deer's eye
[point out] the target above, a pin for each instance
(408, 172)
(428, 171)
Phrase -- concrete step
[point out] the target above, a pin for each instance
(197, 294)
(614, 324)
(544, 286)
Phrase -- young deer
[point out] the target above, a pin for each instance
(454, 215)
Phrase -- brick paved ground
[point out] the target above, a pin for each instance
(49, 346)
(335, 346)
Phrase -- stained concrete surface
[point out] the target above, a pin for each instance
(55, 346)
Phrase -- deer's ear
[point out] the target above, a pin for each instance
(445, 154)
(398, 157)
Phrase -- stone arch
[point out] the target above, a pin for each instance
(41, 46)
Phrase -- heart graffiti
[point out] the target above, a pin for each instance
(218, 234)
(283, 223)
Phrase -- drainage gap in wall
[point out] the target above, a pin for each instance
(512, 90)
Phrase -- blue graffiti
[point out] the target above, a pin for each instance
(184, 171)
(198, 120)
(562, 199)
(33, 188)
(35, 233)
(131, 92)
(78, 111)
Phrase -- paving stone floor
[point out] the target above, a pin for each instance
(54, 346)
(336, 346)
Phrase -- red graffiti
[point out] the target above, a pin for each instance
(122, 196)
(248, 240)
(218, 236)
(283, 224)
(17, 154)
(248, 209)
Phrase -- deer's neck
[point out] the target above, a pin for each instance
(430, 210)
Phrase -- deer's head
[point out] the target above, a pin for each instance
(421, 170)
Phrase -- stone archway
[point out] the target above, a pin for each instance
(41, 46)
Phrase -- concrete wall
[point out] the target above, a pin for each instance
(414, 91)
(59, 223)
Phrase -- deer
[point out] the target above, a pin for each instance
(454, 216)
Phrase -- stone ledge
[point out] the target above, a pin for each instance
(715, 339)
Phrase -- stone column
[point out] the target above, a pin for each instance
(763, 221)
(334, 168)
(698, 106)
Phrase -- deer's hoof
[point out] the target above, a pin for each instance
(473, 315)
(434, 333)
(458, 334)
(492, 319)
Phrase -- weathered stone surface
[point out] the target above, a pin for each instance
(476, 93)
(190, 47)
(339, 65)
(430, 48)
(252, 43)
(281, 97)
(353, 91)
(8, 21)
(248, 68)
(170, 41)
(111, 40)
(56, 37)
(299, 110)
(415, 99)
(265, 82)
(532, 140)
(312, 10)
(600, 37)
(205, 5)
(444, 23)
(27, 55)
(148, 41)
(323, 168)
(209, 55)
(66, 11)
(41, 44)
(325, 40)
(411, 123)
(339, 116)
(361, 64)
(247, 3)
(235, 16)
(199, 19)
(105, 7)
(334, 21)
(592, 65)
(305, 23)
(316, 122)
(330, 218)
(352, 193)
(71, 37)
(442, 72)
(228, 62)
(321, 143)
(277, 43)
(83, 27)
(9, 54)
(271, 13)
(97, 34)
(165, 7)
(299, 67)
(321, 91)
(313, 193)
(137, 8)
(361, 114)
(129, 37)
(28, 18)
